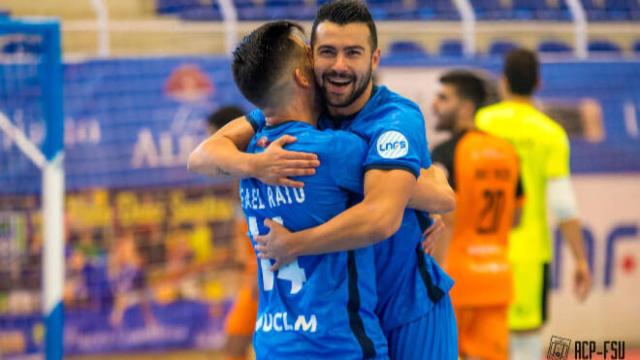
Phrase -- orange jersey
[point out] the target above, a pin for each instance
(483, 332)
(241, 319)
(484, 173)
(243, 241)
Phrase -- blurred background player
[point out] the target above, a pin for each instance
(543, 148)
(483, 170)
(241, 320)
(129, 285)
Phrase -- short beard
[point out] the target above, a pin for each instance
(446, 122)
(357, 92)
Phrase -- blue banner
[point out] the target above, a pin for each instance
(133, 122)
(128, 122)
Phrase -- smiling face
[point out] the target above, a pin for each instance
(343, 64)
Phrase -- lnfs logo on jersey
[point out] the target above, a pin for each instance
(392, 145)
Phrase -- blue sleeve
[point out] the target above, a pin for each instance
(347, 159)
(399, 141)
(256, 119)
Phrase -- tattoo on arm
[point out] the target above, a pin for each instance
(221, 172)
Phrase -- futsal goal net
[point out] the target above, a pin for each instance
(31, 188)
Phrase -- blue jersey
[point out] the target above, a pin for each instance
(322, 305)
(407, 278)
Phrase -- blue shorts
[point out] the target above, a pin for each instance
(433, 336)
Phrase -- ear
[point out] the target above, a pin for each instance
(503, 87)
(375, 59)
(539, 85)
(301, 78)
(469, 108)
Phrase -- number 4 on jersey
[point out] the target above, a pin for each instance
(292, 272)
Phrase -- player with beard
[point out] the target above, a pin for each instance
(483, 170)
(413, 302)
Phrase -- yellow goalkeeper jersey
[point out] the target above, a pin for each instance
(543, 148)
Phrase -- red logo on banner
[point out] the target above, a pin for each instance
(188, 83)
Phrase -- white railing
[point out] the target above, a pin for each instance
(464, 8)
(468, 17)
(230, 17)
(579, 28)
(102, 22)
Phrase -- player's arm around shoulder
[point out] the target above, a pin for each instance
(223, 153)
(386, 194)
(433, 193)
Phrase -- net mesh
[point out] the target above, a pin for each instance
(151, 258)
(21, 98)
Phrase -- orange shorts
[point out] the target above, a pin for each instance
(241, 320)
(483, 332)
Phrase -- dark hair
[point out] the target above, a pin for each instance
(223, 116)
(343, 12)
(521, 68)
(260, 59)
(468, 86)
